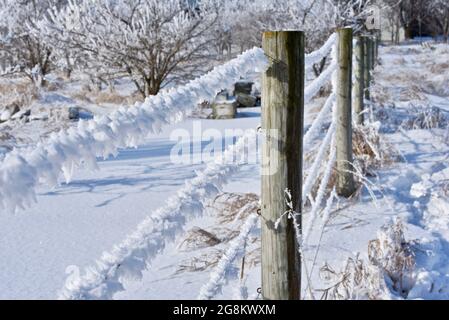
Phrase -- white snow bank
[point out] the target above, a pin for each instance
(22, 170)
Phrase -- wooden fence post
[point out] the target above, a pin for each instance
(367, 66)
(359, 87)
(376, 46)
(345, 177)
(282, 121)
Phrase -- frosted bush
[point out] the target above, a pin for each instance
(392, 254)
(388, 273)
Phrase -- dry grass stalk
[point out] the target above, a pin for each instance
(197, 238)
(200, 263)
(424, 117)
(370, 150)
(229, 207)
(356, 281)
(106, 97)
(20, 94)
(390, 269)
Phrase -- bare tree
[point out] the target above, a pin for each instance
(440, 17)
(153, 42)
(21, 51)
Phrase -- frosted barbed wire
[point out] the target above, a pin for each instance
(318, 122)
(331, 134)
(318, 55)
(129, 259)
(321, 190)
(315, 168)
(22, 170)
(327, 208)
(219, 274)
(312, 89)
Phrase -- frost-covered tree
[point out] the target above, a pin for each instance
(419, 16)
(21, 51)
(440, 17)
(151, 41)
(414, 12)
(241, 23)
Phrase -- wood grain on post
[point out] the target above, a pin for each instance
(367, 66)
(359, 83)
(345, 177)
(282, 121)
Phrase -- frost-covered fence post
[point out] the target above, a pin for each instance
(367, 66)
(376, 48)
(345, 178)
(282, 121)
(359, 85)
(372, 52)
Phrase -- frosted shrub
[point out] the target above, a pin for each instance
(394, 256)
(388, 272)
(356, 281)
(370, 149)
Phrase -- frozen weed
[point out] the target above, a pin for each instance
(424, 117)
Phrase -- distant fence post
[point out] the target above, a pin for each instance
(359, 84)
(283, 114)
(367, 66)
(345, 177)
(378, 35)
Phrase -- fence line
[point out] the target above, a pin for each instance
(327, 145)
(22, 170)
(131, 256)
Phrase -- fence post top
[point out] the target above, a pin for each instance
(272, 34)
(345, 30)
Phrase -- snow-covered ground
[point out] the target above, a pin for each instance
(73, 224)
(410, 84)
